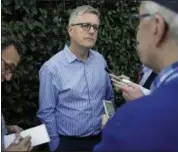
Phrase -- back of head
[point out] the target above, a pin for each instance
(157, 34)
(168, 9)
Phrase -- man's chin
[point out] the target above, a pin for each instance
(89, 46)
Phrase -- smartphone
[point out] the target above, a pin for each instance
(109, 108)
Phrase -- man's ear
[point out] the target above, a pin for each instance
(160, 28)
(69, 29)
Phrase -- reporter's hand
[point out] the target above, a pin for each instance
(14, 129)
(104, 120)
(131, 91)
(23, 145)
(117, 81)
(123, 77)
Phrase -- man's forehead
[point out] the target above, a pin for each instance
(87, 17)
(10, 54)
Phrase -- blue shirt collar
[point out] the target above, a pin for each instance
(70, 56)
(164, 75)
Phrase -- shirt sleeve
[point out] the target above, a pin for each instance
(47, 100)
(109, 90)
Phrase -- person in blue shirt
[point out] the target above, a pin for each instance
(73, 85)
(150, 123)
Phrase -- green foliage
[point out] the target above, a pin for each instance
(41, 26)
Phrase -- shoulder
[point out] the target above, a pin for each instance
(96, 53)
(56, 59)
(98, 56)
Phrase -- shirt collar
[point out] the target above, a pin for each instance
(72, 57)
(164, 75)
(69, 55)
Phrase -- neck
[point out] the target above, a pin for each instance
(166, 57)
(79, 51)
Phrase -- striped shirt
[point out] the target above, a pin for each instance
(167, 75)
(71, 94)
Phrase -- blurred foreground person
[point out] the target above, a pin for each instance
(9, 60)
(150, 123)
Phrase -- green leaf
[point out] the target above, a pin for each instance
(7, 2)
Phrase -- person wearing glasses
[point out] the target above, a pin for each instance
(73, 85)
(150, 123)
(9, 60)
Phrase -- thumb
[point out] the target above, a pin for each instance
(17, 138)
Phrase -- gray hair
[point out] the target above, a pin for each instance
(169, 16)
(80, 10)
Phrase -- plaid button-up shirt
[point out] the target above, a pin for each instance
(168, 74)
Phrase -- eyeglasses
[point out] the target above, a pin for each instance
(8, 68)
(87, 26)
(135, 18)
(141, 16)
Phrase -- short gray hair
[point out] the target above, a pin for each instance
(170, 17)
(80, 10)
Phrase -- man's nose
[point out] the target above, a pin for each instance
(92, 31)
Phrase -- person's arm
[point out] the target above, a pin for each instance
(109, 90)
(47, 105)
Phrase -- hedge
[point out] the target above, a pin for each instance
(41, 27)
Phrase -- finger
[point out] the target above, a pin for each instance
(117, 86)
(20, 129)
(18, 136)
(115, 77)
(104, 117)
(29, 146)
(25, 140)
(104, 120)
(133, 85)
(125, 95)
(17, 129)
(119, 82)
(124, 77)
(17, 139)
